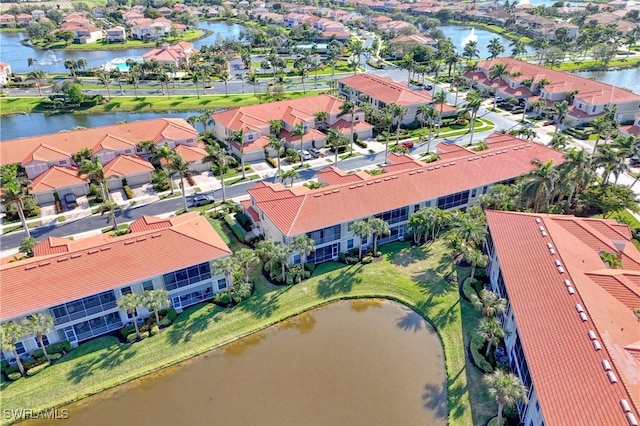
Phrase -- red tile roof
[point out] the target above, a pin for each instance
(68, 270)
(256, 117)
(124, 165)
(386, 90)
(54, 178)
(567, 372)
(63, 144)
(295, 211)
(333, 176)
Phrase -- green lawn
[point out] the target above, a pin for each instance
(413, 276)
(10, 105)
(591, 64)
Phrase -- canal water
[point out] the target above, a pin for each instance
(368, 362)
(52, 61)
(461, 35)
(627, 78)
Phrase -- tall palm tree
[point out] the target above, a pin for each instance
(69, 64)
(491, 332)
(440, 98)
(225, 77)
(110, 208)
(165, 153)
(362, 229)
(12, 332)
(470, 50)
(27, 246)
(222, 160)
(298, 130)
(155, 300)
(506, 388)
(182, 168)
(335, 140)
(398, 113)
(93, 171)
(246, 258)
(470, 229)
(277, 144)
(321, 118)
(385, 118)
(427, 114)
(475, 257)
(16, 191)
(104, 78)
(130, 303)
(495, 48)
(253, 80)
(238, 137)
(39, 76)
(473, 105)
(275, 126)
(539, 186)
(290, 174)
(227, 266)
(560, 109)
(134, 79)
(379, 227)
(348, 107)
(304, 245)
(39, 325)
(577, 170)
(31, 62)
(497, 72)
(489, 302)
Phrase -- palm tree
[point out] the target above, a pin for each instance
(506, 388)
(155, 300)
(27, 245)
(39, 325)
(163, 78)
(471, 230)
(495, 48)
(69, 64)
(321, 118)
(253, 80)
(362, 229)
(539, 186)
(227, 266)
(275, 126)
(94, 172)
(577, 170)
(291, 174)
(304, 245)
(489, 302)
(245, 258)
(427, 114)
(475, 257)
(299, 130)
(398, 112)
(105, 78)
(335, 140)
(496, 72)
(134, 79)
(222, 160)
(31, 62)
(110, 208)
(277, 144)
(440, 98)
(82, 63)
(473, 104)
(470, 50)
(238, 137)
(240, 77)
(129, 303)
(379, 227)
(560, 109)
(39, 76)
(182, 168)
(11, 333)
(164, 152)
(16, 191)
(225, 77)
(348, 107)
(491, 332)
(280, 255)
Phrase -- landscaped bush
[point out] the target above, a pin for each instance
(361, 144)
(169, 314)
(35, 370)
(128, 192)
(377, 254)
(164, 322)
(14, 376)
(144, 335)
(132, 337)
(144, 328)
(271, 162)
(367, 259)
(310, 266)
(4, 364)
(127, 330)
(244, 221)
(221, 299)
(38, 353)
(154, 330)
(241, 292)
(476, 345)
(467, 289)
(55, 357)
(235, 228)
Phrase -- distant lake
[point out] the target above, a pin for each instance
(461, 35)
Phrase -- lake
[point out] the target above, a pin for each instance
(627, 78)
(460, 35)
(52, 61)
(362, 362)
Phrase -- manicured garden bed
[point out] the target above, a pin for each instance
(410, 275)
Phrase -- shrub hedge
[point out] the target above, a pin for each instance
(272, 162)
(244, 221)
(14, 376)
(154, 330)
(361, 144)
(128, 192)
(35, 370)
(132, 337)
(476, 344)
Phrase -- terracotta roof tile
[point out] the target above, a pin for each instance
(124, 165)
(386, 90)
(54, 178)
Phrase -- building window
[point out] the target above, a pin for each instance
(186, 276)
(593, 109)
(125, 290)
(325, 253)
(83, 307)
(147, 285)
(395, 216)
(416, 208)
(296, 259)
(20, 349)
(222, 283)
(350, 244)
(93, 327)
(364, 241)
(474, 191)
(485, 189)
(325, 235)
(45, 340)
(453, 200)
(250, 137)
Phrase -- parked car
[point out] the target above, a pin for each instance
(499, 99)
(16, 79)
(70, 201)
(406, 144)
(428, 87)
(634, 161)
(202, 200)
(314, 152)
(306, 155)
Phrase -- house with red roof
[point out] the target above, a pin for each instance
(80, 282)
(116, 34)
(254, 122)
(38, 154)
(381, 91)
(7, 20)
(590, 97)
(178, 54)
(60, 180)
(152, 29)
(327, 214)
(573, 337)
(24, 19)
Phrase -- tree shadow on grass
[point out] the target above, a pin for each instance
(205, 101)
(456, 391)
(435, 399)
(141, 105)
(342, 283)
(112, 105)
(114, 356)
(409, 255)
(193, 321)
(444, 316)
(262, 306)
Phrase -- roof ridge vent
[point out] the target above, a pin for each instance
(612, 377)
(632, 419)
(412, 173)
(570, 290)
(126, 243)
(352, 187)
(561, 269)
(550, 245)
(420, 171)
(552, 251)
(579, 308)
(75, 256)
(62, 259)
(335, 190)
(558, 263)
(394, 177)
(592, 335)
(371, 182)
(360, 185)
(28, 267)
(596, 345)
(583, 316)
(544, 233)
(625, 405)
(606, 365)
(567, 282)
(329, 192)
(93, 251)
(105, 248)
(377, 181)
(538, 220)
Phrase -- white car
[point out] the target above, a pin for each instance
(306, 155)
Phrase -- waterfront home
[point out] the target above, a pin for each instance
(60, 180)
(588, 98)
(116, 34)
(37, 14)
(5, 73)
(254, 122)
(24, 19)
(37, 154)
(631, 129)
(80, 282)
(178, 54)
(7, 20)
(572, 335)
(381, 91)
(327, 214)
(148, 29)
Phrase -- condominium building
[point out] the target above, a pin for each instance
(572, 335)
(80, 282)
(327, 214)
